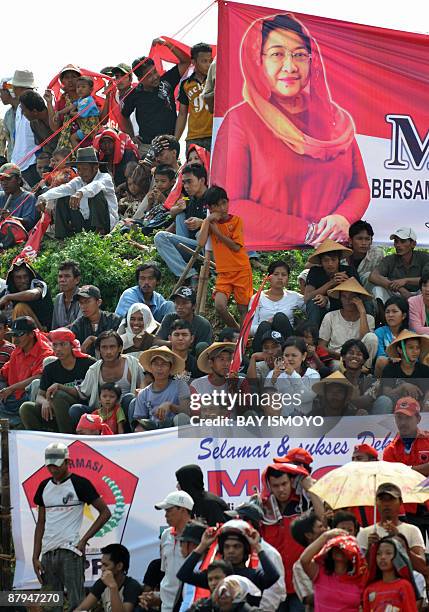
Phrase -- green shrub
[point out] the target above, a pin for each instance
(108, 262)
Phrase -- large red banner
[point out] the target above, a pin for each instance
(319, 123)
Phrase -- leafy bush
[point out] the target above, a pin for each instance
(108, 262)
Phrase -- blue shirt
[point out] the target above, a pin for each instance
(87, 106)
(22, 206)
(158, 304)
(149, 400)
(385, 337)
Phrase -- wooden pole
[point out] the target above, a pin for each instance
(5, 509)
(203, 282)
(186, 270)
(184, 247)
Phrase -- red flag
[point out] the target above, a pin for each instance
(32, 246)
(101, 81)
(240, 348)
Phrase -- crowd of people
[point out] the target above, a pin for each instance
(282, 550)
(353, 341)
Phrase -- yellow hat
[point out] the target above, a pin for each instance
(405, 334)
(338, 379)
(177, 363)
(326, 247)
(210, 353)
(351, 285)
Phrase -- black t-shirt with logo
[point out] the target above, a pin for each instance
(155, 110)
(56, 373)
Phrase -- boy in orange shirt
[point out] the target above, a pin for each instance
(234, 273)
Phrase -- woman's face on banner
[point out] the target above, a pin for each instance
(286, 62)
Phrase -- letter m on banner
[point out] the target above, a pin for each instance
(219, 482)
(406, 138)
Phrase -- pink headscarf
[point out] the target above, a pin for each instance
(62, 334)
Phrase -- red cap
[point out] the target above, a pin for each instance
(408, 406)
(299, 455)
(367, 449)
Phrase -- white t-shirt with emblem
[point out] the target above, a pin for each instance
(64, 504)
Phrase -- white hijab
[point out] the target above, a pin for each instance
(125, 331)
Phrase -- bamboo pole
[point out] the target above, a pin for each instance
(5, 516)
(203, 282)
(189, 265)
(201, 258)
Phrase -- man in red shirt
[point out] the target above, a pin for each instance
(24, 366)
(411, 447)
(282, 504)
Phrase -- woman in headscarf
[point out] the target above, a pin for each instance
(337, 567)
(116, 149)
(288, 151)
(391, 582)
(136, 330)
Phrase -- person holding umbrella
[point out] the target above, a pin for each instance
(388, 502)
(364, 452)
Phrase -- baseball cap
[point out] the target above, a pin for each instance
(275, 336)
(408, 406)
(186, 293)
(404, 233)
(89, 291)
(193, 532)
(22, 325)
(176, 498)
(388, 488)
(70, 68)
(366, 449)
(124, 68)
(248, 512)
(56, 453)
(8, 170)
(299, 455)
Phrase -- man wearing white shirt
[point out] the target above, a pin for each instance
(388, 501)
(87, 202)
(178, 508)
(23, 150)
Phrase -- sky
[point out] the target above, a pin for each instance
(124, 29)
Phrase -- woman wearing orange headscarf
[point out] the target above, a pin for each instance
(292, 150)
